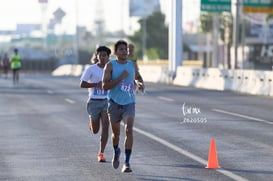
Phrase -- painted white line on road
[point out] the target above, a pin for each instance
(242, 116)
(50, 92)
(165, 98)
(69, 101)
(188, 154)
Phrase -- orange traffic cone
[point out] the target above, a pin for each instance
(212, 157)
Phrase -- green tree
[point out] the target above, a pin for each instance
(225, 30)
(152, 53)
(156, 36)
(226, 26)
(225, 23)
(206, 23)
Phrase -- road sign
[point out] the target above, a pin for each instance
(216, 5)
(258, 3)
(258, 6)
(42, 1)
(58, 15)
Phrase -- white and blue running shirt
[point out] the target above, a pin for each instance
(93, 74)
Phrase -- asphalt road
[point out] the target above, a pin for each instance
(44, 134)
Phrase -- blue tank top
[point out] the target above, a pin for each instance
(123, 93)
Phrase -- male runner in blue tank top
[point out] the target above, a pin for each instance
(119, 77)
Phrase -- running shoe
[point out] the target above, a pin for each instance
(101, 158)
(115, 161)
(126, 168)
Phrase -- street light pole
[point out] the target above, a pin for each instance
(175, 37)
(236, 33)
(76, 32)
(43, 4)
(144, 38)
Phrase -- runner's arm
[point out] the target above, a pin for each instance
(84, 84)
(139, 80)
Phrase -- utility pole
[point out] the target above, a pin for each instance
(43, 4)
(144, 37)
(77, 32)
(236, 33)
(215, 39)
(175, 37)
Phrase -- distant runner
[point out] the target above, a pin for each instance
(5, 65)
(16, 65)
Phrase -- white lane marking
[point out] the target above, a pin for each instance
(165, 98)
(242, 116)
(50, 92)
(188, 154)
(69, 101)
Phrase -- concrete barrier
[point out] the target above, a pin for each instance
(269, 82)
(245, 81)
(68, 69)
(154, 73)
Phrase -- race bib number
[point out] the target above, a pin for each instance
(99, 92)
(127, 87)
